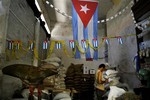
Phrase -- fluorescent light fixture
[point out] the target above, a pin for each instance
(51, 6)
(37, 5)
(112, 17)
(46, 26)
(47, 2)
(42, 16)
(107, 19)
(102, 21)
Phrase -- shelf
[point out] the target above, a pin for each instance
(145, 32)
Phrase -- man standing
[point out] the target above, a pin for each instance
(99, 82)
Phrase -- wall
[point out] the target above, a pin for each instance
(3, 28)
(21, 26)
(63, 31)
(122, 56)
(17, 23)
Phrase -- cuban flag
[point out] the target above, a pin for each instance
(84, 25)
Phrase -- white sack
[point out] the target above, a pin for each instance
(114, 80)
(115, 92)
(110, 76)
(110, 72)
(62, 96)
(53, 59)
(54, 63)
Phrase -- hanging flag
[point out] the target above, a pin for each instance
(58, 45)
(71, 44)
(83, 42)
(10, 45)
(84, 24)
(45, 44)
(30, 45)
(106, 40)
(95, 43)
(17, 44)
(120, 40)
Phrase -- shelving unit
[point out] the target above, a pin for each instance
(141, 11)
(145, 32)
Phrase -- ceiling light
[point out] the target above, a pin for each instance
(47, 2)
(51, 6)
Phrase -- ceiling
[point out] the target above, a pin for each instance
(66, 6)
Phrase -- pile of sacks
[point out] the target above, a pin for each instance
(54, 60)
(56, 81)
(113, 79)
(49, 81)
(118, 90)
(115, 92)
(60, 78)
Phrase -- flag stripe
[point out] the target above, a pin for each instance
(85, 34)
(80, 30)
(95, 31)
(90, 34)
(75, 30)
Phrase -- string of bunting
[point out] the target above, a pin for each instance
(84, 44)
(15, 49)
(15, 46)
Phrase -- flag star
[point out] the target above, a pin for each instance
(84, 8)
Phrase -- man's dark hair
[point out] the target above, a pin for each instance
(101, 65)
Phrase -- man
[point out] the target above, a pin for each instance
(99, 82)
